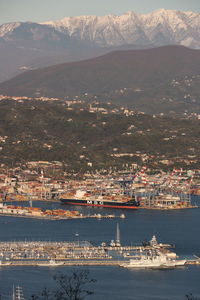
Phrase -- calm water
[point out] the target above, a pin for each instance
(176, 227)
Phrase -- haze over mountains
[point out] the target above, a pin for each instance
(26, 45)
(151, 80)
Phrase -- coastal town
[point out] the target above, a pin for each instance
(160, 190)
(99, 150)
(123, 137)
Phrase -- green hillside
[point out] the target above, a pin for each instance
(53, 131)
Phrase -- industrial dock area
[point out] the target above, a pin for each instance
(48, 214)
(139, 189)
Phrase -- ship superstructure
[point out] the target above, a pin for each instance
(82, 197)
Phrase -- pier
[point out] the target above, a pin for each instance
(48, 214)
(35, 263)
(79, 253)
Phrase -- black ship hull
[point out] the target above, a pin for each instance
(132, 204)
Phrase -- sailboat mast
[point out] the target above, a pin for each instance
(13, 293)
(117, 241)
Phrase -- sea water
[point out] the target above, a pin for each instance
(179, 227)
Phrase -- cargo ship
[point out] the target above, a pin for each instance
(80, 197)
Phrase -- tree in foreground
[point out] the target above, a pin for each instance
(191, 297)
(70, 287)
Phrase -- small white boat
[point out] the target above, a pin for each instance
(50, 263)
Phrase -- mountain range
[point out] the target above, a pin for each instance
(158, 28)
(153, 80)
(28, 45)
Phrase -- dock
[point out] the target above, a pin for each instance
(49, 214)
(35, 263)
(78, 253)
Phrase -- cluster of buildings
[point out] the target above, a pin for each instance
(119, 156)
(35, 183)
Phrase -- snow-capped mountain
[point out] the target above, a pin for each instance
(27, 45)
(8, 28)
(158, 28)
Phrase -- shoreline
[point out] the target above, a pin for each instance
(58, 218)
(73, 263)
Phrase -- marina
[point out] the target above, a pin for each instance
(82, 253)
(137, 228)
(100, 163)
(86, 263)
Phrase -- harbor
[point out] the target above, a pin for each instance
(49, 214)
(34, 273)
(162, 191)
(99, 156)
(79, 263)
(82, 253)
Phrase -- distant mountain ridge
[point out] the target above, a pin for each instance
(158, 28)
(141, 78)
(29, 45)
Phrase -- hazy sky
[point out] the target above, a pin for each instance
(45, 10)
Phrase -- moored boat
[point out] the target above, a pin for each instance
(50, 263)
(153, 259)
(110, 201)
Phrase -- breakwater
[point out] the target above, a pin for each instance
(80, 253)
